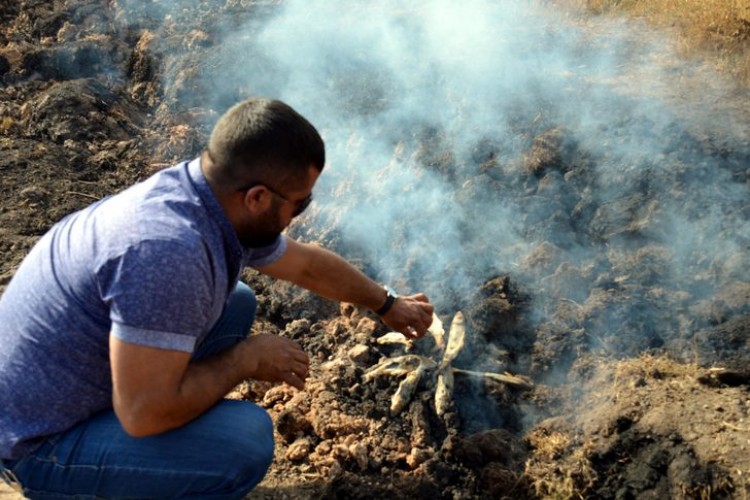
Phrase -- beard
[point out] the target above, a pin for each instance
(262, 232)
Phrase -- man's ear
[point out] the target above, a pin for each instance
(257, 199)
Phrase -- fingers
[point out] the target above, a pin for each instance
(415, 332)
(295, 377)
(278, 359)
(294, 374)
(420, 297)
(291, 353)
(300, 356)
(422, 304)
(426, 314)
(412, 316)
(417, 328)
(422, 321)
(412, 333)
(294, 380)
(298, 370)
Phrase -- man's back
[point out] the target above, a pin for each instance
(97, 268)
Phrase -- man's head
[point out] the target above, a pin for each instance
(263, 160)
(262, 140)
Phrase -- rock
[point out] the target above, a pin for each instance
(299, 450)
(358, 451)
(291, 423)
(417, 456)
(359, 354)
(324, 448)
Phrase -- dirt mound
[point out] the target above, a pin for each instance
(649, 428)
(636, 349)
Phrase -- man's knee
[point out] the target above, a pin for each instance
(244, 304)
(244, 297)
(232, 327)
(249, 445)
(257, 437)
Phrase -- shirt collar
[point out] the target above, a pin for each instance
(213, 207)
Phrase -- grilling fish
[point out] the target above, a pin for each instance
(406, 390)
(443, 390)
(506, 378)
(397, 366)
(456, 337)
(437, 331)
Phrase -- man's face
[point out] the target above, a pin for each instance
(262, 230)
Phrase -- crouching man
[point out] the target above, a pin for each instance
(126, 324)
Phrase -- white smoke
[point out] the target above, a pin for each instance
(412, 97)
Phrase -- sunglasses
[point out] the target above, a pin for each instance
(300, 205)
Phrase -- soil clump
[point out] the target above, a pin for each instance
(640, 380)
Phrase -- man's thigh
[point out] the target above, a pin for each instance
(222, 454)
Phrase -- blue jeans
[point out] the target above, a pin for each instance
(224, 453)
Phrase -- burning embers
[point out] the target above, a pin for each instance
(414, 367)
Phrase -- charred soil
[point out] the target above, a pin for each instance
(97, 97)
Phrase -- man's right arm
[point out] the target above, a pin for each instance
(155, 390)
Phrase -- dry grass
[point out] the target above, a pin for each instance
(560, 465)
(718, 30)
(568, 477)
(651, 366)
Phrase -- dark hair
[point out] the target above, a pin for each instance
(261, 140)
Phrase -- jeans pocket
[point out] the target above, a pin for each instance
(50, 450)
(60, 448)
(32, 470)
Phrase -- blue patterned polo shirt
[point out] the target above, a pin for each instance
(153, 265)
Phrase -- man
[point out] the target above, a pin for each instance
(126, 325)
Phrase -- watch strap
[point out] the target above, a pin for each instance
(390, 298)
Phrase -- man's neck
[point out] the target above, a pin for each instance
(227, 199)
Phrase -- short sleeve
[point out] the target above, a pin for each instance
(259, 257)
(158, 292)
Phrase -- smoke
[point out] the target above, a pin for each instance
(402, 96)
(464, 136)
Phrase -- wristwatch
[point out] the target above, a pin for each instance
(390, 298)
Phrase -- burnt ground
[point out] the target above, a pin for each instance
(641, 389)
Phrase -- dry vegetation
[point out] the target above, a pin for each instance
(643, 427)
(652, 401)
(718, 30)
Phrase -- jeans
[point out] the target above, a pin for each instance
(223, 453)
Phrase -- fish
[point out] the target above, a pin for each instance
(437, 331)
(506, 378)
(456, 338)
(397, 366)
(406, 389)
(394, 338)
(443, 391)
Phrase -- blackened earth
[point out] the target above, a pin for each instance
(658, 408)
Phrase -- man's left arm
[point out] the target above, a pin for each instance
(329, 275)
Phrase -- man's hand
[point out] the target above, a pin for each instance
(277, 359)
(154, 390)
(410, 315)
(328, 274)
